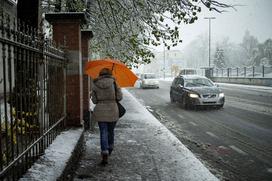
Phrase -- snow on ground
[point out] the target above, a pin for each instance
(168, 79)
(51, 165)
(171, 156)
(246, 86)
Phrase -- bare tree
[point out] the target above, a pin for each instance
(196, 52)
(125, 29)
(268, 50)
(250, 46)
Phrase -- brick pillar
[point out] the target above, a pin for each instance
(66, 29)
(86, 35)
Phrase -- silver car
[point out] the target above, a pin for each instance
(195, 90)
(148, 80)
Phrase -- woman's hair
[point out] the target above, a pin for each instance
(105, 71)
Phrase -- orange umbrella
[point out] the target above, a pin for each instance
(123, 75)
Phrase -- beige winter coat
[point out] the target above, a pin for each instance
(104, 96)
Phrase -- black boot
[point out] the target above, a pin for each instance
(104, 159)
(110, 150)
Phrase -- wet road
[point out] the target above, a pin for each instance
(235, 142)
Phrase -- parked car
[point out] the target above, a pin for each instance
(195, 90)
(149, 80)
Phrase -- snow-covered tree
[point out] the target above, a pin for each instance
(219, 58)
(125, 29)
(250, 46)
(268, 50)
(196, 52)
(235, 56)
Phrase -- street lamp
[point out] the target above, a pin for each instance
(209, 18)
(164, 62)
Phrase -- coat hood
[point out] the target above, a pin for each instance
(104, 82)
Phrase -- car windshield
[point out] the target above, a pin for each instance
(149, 76)
(198, 82)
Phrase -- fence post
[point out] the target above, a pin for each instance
(253, 71)
(263, 70)
(212, 72)
(245, 71)
(237, 71)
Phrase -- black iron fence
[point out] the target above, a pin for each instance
(248, 72)
(32, 95)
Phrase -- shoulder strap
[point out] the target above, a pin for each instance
(115, 90)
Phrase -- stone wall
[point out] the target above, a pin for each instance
(246, 81)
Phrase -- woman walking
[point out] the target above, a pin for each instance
(105, 93)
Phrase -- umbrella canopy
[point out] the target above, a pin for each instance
(123, 75)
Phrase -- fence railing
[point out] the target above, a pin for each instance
(249, 72)
(32, 95)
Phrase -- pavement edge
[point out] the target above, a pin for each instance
(73, 161)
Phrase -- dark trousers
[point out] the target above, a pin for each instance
(106, 136)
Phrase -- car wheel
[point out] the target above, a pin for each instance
(220, 106)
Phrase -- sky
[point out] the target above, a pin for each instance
(252, 15)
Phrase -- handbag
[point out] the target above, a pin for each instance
(121, 108)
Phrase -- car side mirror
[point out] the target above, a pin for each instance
(180, 86)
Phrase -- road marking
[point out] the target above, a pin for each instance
(211, 134)
(269, 170)
(180, 116)
(237, 150)
(223, 147)
(192, 123)
(223, 150)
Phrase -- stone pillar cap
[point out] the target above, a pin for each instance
(57, 16)
(87, 32)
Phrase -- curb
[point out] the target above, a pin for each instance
(72, 164)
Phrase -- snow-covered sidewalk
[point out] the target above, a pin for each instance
(144, 150)
(53, 163)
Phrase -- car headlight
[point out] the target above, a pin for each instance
(221, 94)
(192, 95)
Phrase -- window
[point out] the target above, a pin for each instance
(174, 82)
(179, 81)
(199, 82)
(149, 76)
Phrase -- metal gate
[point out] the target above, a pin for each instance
(32, 95)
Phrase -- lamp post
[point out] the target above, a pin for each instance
(164, 62)
(209, 18)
